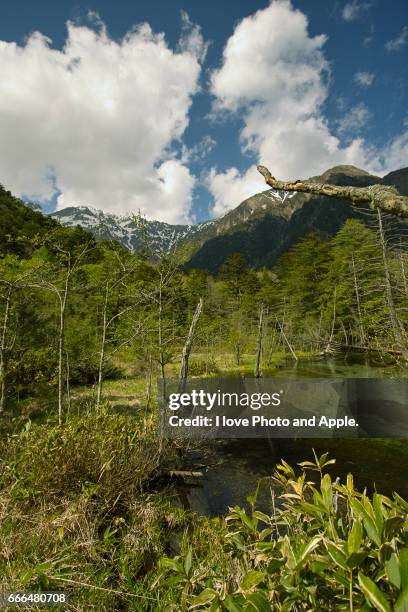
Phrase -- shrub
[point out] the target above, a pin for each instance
(327, 547)
(203, 367)
(105, 453)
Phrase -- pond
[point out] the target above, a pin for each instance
(232, 467)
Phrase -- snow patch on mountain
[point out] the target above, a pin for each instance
(131, 232)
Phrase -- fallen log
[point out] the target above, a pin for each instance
(362, 349)
(185, 473)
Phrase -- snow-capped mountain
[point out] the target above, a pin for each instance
(262, 227)
(163, 237)
(134, 234)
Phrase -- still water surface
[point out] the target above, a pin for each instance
(233, 467)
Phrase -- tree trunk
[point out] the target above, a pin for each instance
(68, 384)
(381, 197)
(188, 345)
(3, 353)
(149, 383)
(357, 292)
(403, 273)
(102, 349)
(63, 302)
(259, 345)
(328, 348)
(238, 354)
(287, 341)
(160, 339)
(395, 323)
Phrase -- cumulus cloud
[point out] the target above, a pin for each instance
(354, 10)
(96, 121)
(364, 79)
(397, 43)
(274, 76)
(229, 188)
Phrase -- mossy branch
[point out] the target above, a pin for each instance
(384, 197)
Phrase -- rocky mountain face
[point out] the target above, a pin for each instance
(268, 224)
(160, 237)
(262, 228)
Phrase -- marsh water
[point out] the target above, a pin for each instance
(231, 468)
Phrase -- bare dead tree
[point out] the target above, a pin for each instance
(62, 296)
(395, 322)
(383, 197)
(286, 340)
(403, 272)
(3, 347)
(188, 344)
(259, 343)
(358, 301)
(329, 347)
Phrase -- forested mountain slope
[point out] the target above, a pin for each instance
(262, 227)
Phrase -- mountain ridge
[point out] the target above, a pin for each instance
(248, 228)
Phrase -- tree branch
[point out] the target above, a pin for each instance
(384, 197)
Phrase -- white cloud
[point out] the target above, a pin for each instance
(273, 76)
(364, 79)
(355, 119)
(191, 40)
(229, 188)
(354, 10)
(96, 120)
(397, 43)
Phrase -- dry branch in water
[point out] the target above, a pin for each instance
(384, 197)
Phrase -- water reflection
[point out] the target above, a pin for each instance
(235, 466)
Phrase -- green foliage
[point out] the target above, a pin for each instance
(82, 511)
(20, 226)
(103, 453)
(326, 547)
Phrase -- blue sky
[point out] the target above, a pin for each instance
(173, 125)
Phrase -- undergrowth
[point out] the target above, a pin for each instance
(85, 508)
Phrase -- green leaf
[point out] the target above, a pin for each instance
(259, 602)
(327, 493)
(251, 579)
(307, 548)
(262, 517)
(368, 522)
(231, 605)
(287, 552)
(204, 597)
(401, 605)
(307, 464)
(342, 579)
(26, 576)
(311, 509)
(336, 554)
(373, 594)
(404, 568)
(245, 519)
(401, 502)
(171, 564)
(356, 559)
(377, 505)
(188, 561)
(354, 538)
(391, 526)
(392, 569)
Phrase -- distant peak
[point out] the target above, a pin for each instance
(346, 170)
